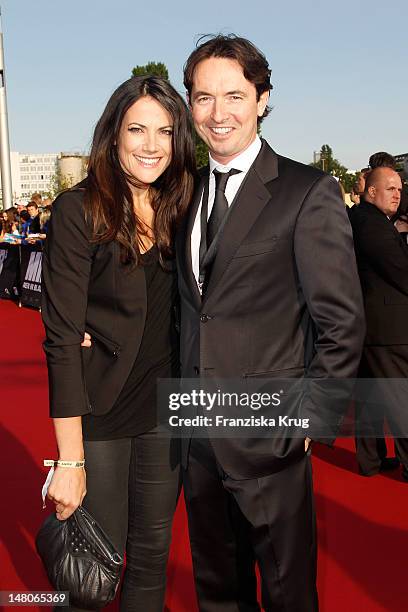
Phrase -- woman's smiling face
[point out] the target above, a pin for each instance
(145, 140)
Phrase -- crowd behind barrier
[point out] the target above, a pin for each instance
(20, 273)
(23, 230)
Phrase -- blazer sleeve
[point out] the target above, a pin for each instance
(67, 262)
(331, 287)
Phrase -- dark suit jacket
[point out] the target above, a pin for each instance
(285, 268)
(86, 288)
(382, 259)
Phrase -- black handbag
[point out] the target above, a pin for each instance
(79, 557)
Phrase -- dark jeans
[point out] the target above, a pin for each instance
(132, 490)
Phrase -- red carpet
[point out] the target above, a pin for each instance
(363, 523)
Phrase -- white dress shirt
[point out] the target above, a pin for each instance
(242, 162)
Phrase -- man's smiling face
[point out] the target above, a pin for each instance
(225, 107)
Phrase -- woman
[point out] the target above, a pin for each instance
(44, 222)
(108, 271)
(8, 225)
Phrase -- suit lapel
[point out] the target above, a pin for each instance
(249, 203)
(187, 263)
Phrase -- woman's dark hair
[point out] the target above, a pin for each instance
(7, 225)
(252, 61)
(109, 203)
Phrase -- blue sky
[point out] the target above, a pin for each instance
(339, 69)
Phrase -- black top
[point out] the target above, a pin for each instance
(134, 412)
(86, 288)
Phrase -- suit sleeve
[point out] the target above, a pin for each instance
(330, 285)
(390, 259)
(66, 270)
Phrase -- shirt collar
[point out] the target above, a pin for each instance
(242, 162)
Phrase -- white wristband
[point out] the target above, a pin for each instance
(65, 464)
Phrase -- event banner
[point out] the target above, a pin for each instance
(30, 275)
(9, 267)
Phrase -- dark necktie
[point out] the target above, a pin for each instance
(220, 205)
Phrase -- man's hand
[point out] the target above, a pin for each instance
(87, 343)
(401, 225)
(307, 444)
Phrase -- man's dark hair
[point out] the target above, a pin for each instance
(253, 63)
(24, 215)
(382, 160)
(34, 204)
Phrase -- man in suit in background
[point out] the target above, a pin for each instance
(269, 288)
(382, 259)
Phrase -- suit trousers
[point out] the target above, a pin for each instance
(132, 491)
(235, 523)
(382, 362)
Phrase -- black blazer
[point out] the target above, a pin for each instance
(382, 259)
(86, 288)
(284, 298)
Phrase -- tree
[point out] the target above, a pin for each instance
(332, 166)
(58, 182)
(349, 180)
(201, 152)
(151, 68)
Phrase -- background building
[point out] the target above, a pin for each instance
(71, 167)
(44, 173)
(36, 171)
(402, 162)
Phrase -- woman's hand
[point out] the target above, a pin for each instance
(68, 485)
(67, 490)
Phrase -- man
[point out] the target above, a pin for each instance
(264, 266)
(382, 259)
(34, 226)
(47, 203)
(357, 191)
(37, 198)
(382, 159)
